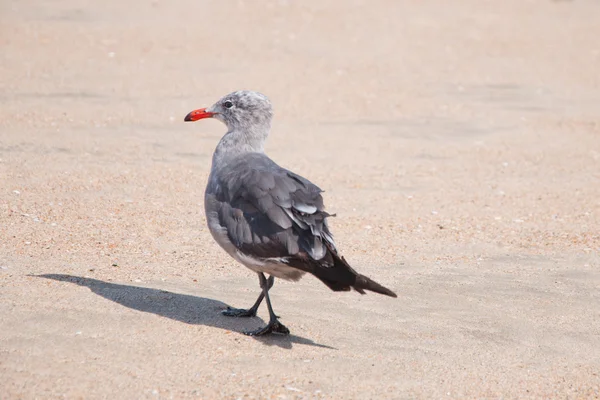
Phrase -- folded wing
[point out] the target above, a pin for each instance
(274, 215)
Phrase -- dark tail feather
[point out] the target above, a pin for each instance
(342, 277)
(366, 283)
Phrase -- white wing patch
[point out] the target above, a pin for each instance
(305, 208)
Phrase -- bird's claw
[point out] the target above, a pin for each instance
(275, 327)
(238, 312)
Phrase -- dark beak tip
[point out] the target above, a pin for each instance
(188, 118)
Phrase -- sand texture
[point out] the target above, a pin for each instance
(458, 142)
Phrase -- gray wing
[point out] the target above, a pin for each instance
(270, 212)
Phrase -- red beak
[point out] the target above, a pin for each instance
(198, 114)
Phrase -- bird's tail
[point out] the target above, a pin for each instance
(342, 277)
(365, 283)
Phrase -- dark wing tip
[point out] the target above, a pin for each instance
(363, 282)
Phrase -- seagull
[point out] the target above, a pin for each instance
(266, 217)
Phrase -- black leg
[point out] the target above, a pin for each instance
(274, 326)
(251, 312)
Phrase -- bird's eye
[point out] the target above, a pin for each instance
(228, 104)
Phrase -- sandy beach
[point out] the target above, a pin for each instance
(457, 142)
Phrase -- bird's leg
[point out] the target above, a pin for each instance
(251, 312)
(274, 326)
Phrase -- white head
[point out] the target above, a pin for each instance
(248, 117)
(243, 110)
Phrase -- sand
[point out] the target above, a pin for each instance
(458, 143)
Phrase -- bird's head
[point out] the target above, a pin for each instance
(243, 109)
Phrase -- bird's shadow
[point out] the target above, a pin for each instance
(179, 307)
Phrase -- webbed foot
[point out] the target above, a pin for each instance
(275, 327)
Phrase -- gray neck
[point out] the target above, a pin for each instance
(237, 142)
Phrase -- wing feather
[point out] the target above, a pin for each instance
(270, 212)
